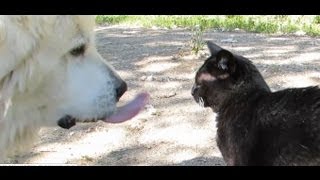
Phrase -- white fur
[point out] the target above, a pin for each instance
(40, 81)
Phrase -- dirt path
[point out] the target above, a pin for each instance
(173, 129)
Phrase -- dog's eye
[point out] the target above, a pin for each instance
(78, 50)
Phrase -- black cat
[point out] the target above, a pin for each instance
(257, 126)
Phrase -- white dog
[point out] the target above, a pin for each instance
(51, 73)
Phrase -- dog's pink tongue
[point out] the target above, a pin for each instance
(129, 110)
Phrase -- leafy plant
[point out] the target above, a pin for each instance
(197, 42)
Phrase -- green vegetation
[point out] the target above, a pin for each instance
(262, 24)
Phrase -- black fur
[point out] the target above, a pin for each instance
(257, 126)
(66, 122)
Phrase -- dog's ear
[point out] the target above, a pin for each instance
(226, 61)
(213, 48)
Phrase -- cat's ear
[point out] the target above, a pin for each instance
(213, 48)
(226, 61)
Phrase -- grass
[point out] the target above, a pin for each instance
(282, 24)
(197, 43)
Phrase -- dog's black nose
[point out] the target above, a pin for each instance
(121, 89)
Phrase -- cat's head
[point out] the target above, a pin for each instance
(222, 75)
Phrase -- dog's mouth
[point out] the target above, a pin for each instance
(123, 113)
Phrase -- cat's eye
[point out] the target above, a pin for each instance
(78, 50)
(210, 65)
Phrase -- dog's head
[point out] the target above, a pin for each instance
(223, 74)
(51, 71)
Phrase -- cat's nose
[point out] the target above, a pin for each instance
(194, 89)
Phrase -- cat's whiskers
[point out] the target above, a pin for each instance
(201, 102)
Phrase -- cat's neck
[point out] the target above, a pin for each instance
(242, 99)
